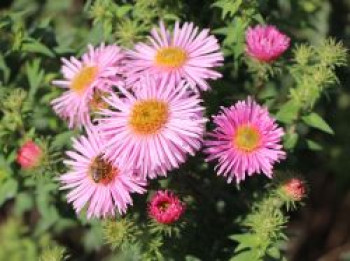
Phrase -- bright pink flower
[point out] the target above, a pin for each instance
(165, 207)
(294, 189)
(95, 182)
(86, 81)
(246, 140)
(29, 155)
(153, 129)
(185, 54)
(266, 43)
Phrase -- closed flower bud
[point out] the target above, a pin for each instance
(29, 155)
(294, 189)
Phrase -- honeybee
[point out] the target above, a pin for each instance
(101, 170)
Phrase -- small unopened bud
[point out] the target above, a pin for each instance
(294, 189)
(29, 155)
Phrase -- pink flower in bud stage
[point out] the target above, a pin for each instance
(266, 43)
(294, 189)
(165, 207)
(29, 155)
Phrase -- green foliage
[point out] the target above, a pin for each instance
(120, 233)
(264, 231)
(53, 253)
(314, 71)
(16, 244)
(264, 225)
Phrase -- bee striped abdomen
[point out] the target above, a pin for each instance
(101, 171)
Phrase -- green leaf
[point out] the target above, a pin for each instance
(93, 239)
(229, 7)
(62, 139)
(4, 69)
(315, 121)
(274, 252)
(290, 140)
(8, 190)
(244, 256)
(35, 77)
(191, 258)
(23, 203)
(34, 46)
(122, 11)
(288, 112)
(313, 145)
(245, 241)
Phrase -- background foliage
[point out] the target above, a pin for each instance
(223, 222)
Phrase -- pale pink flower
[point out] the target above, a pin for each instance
(85, 81)
(266, 43)
(29, 155)
(246, 140)
(95, 182)
(165, 207)
(154, 128)
(184, 54)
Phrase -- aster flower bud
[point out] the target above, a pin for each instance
(294, 189)
(29, 155)
(266, 43)
(165, 207)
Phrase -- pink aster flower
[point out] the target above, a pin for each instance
(154, 128)
(29, 155)
(165, 207)
(185, 54)
(95, 182)
(266, 43)
(85, 81)
(246, 140)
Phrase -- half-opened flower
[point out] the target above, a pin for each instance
(266, 43)
(165, 207)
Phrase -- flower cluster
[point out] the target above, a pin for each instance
(143, 116)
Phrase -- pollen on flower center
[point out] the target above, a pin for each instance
(101, 171)
(163, 206)
(246, 138)
(83, 79)
(171, 57)
(148, 116)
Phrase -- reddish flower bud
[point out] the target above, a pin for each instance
(165, 207)
(295, 189)
(29, 155)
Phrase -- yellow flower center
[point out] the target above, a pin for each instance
(246, 138)
(84, 79)
(149, 116)
(101, 171)
(171, 57)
